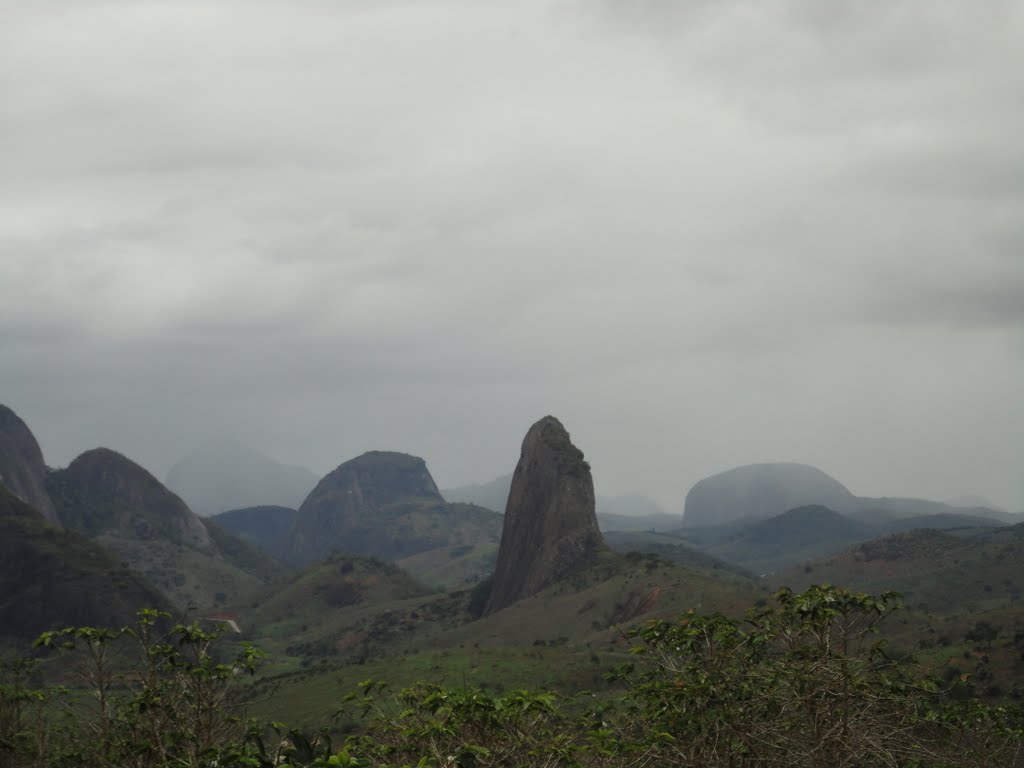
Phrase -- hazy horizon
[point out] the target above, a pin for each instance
(701, 234)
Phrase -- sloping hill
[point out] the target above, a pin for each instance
(671, 548)
(114, 501)
(949, 573)
(52, 578)
(760, 491)
(267, 527)
(794, 536)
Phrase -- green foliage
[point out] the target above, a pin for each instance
(158, 696)
(805, 682)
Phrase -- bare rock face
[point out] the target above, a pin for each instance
(550, 524)
(22, 470)
(374, 504)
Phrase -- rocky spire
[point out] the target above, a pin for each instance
(550, 524)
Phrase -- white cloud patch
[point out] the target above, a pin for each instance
(701, 234)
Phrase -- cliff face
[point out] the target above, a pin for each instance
(385, 505)
(22, 470)
(370, 505)
(550, 525)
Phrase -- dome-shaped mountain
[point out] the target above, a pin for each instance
(383, 504)
(22, 470)
(102, 491)
(550, 523)
(760, 491)
(113, 500)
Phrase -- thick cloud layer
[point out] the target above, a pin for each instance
(701, 234)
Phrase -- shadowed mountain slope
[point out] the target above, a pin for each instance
(51, 578)
(22, 470)
(114, 501)
(267, 527)
(760, 491)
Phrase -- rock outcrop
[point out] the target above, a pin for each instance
(550, 526)
(22, 470)
(760, 491)
(386, 505)
(103, 492)
(112, 500)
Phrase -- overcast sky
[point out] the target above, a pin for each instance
(702, 234)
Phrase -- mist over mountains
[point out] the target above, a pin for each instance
(225, 474)
(376, 566)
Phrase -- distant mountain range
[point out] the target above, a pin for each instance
(225, 475)
(760, 491)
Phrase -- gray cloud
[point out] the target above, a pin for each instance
(701, 234)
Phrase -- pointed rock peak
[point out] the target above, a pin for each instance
(550, 526)
(22, 470)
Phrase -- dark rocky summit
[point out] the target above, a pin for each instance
(760, 491)
(380, 503)
(550, 523)
(112, 500)
(22, 470)
(103, 492)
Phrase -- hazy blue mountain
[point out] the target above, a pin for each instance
(266, 527)
(761, 491)
(794, 536)
(224, 475)
(492, 495)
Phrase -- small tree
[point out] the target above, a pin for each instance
(159, 696)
